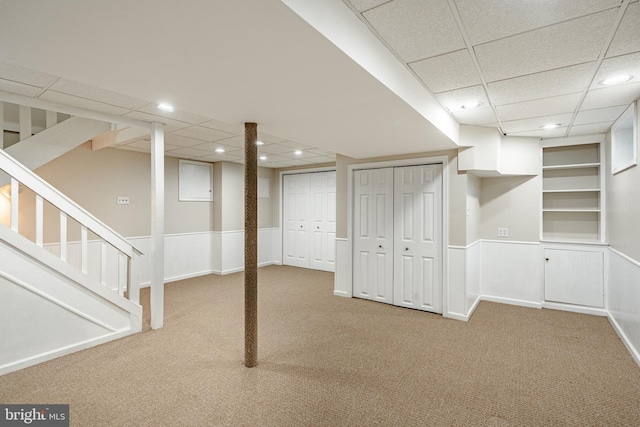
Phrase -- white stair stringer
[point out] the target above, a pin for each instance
(49, 309)
(55, 141)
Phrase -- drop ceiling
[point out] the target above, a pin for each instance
(224, 62)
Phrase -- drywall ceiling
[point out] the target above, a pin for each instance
(362, 78)
(220, 63)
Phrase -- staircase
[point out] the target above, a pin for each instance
(75, 293)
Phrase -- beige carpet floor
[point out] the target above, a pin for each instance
(330, 361)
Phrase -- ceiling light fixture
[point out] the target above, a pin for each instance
(263, 157)
(259, 143)
(298, 153)
(616, 80)
(219, 150)
(163, 106)
(472, 104)
(551, 126)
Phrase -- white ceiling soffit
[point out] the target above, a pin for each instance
(228, 60)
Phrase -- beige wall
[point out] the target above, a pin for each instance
(457, 193)
(94, 180)
(623, 207)
(511, 202)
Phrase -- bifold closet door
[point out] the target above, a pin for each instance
(373, 234)
(418, 237)
(309, 217)
(296, 220)
(322, 224)
(397, 236)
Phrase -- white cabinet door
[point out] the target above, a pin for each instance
(574, 277)
(373, 235)
(418, 237)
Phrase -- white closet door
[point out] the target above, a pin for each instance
(296, 219)
(373, 235)
(322, 212)
(418, 237)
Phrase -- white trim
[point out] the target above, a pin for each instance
(575, 308)
(625, 257)
(469, 246)
(511, 301)
(49, 355)
(573, 140)
(623, 337)
(513, 242)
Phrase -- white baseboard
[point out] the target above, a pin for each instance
(341, 294)
(575, 308)
(624, 338)
(40, 358)
(511, 301)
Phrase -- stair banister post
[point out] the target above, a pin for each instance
(156, 254)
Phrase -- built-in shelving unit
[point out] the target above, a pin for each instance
(571, 193)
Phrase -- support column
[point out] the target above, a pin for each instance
(250, 245)
(156, 255)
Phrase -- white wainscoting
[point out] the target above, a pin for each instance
(342, 280)
(464, 281)
(624, 300)
(512, 273)
(186, 255)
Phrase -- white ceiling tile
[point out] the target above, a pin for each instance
(223, 157)
(152, 108)
(96, 94)
(545, 106)
(475, 116)
(234, 141)
(590, 129)
(541, 85)
(171, 125)
(535, 123)
(487, 20)
(416, 29)
(295, 145)
(560, 45)
(25, 75)
(211, 146)
(274, 158)
(362, 5)
(275, 149)
(611, 96)
(267, 137)
(188, 152)
(543, 133)
(446, 72)
(611, 67)
(454, 99)
(599, 115)
(202, 133)
(181, 141)
(74, 101)
(236, 129)
(627, 38)
(19, 88)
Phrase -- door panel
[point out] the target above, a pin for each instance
(418, 193)
(373, 240)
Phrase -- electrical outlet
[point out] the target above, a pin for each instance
(503, 232)
(123, 200)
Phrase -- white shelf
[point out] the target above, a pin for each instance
(572, 199)
(572, 210)
(573, 190)
(572, 166)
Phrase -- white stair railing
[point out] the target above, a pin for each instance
(128, 257)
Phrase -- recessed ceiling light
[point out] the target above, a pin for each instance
(298, 153)
(263, 157)
(259, 143)
(472, 104)
(163, 106)
(616, 80)
(219, 150)
(551, 126)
